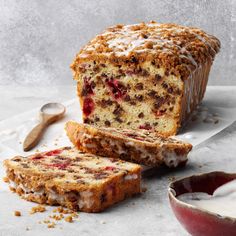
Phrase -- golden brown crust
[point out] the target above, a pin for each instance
(178, 48)
(144, 76)
(142, 147)
(90, 184)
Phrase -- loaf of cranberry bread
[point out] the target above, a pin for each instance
(73, 179)
(148, 76)
(140, 146)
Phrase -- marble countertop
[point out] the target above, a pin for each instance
(149, 214)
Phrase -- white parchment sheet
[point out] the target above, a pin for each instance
(217, 112)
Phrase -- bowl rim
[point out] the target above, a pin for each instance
(172, 195)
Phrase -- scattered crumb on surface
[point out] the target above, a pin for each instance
(56, 217)
(74, 214)
(27, 228)
(171, 178)
(103, 222)
(17, 213)
(5, 179)
(69, 219)
(51, 225)
(58, 214)
(144, 189)
(38, 208)
(12, 189)
(63, 210)
(46, 221)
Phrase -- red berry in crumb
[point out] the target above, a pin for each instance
(88, 87)
(37, 157)
(53, 152)
(134, 136)
(118, 90)
(160, 113)
(61, 166)
(110, 168)
(145, 126)
(88, 106)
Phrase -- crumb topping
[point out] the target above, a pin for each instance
(170, 45)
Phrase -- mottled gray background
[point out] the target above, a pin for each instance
(38, 39)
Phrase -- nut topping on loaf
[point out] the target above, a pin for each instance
(71, 178)
(147, 76)
(140, 146)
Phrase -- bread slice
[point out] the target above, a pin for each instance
(74, 179)
(138, 146)
(144, 76)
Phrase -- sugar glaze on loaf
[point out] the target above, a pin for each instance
(147, 76)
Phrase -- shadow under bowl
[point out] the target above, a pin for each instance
(195, 220)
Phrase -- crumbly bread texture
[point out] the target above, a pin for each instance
(71, 178)
(140, 146)
(148, 76)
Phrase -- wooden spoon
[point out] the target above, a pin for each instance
(49, 113)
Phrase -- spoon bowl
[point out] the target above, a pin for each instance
(53, 108)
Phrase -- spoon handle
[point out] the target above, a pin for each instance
(34, 136)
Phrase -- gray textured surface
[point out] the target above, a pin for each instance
(38, 39)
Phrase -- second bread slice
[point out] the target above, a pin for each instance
(141, 147)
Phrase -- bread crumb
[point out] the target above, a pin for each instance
(5, 179)
(12, 189)
(74, 214)
(56, 217)
(51, 225)
(46, 221)
(69, 219)
(38, 208)
(171, 178)
(144, 189)
(27, 228)
(63, 210)
(103, 222)
(17, 213)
